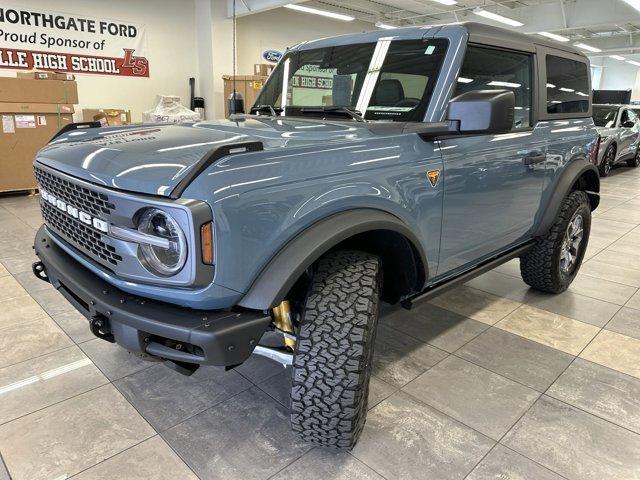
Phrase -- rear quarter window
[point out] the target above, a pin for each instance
(567, 85)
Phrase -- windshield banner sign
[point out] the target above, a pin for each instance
(62, 42)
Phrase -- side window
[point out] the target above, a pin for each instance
(567, 85)
(625, 117)
(487, 68)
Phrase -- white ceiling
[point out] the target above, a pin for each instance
(611, 25)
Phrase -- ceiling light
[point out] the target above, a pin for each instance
(465, 80)
(550, 85)
(498, 18)
(633, 62)
(317, 11)
(617, 57)
(587, 47)
(445, 2)
(385, 26)
(633, 3)
(567, 89)
(553, 36)
(498, 83)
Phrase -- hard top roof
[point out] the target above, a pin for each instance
(478, 32)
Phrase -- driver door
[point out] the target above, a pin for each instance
(628, 141)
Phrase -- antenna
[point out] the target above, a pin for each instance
(235, 101)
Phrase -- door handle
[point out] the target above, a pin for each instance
(533, 158)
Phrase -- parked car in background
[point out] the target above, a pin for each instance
(619, 128)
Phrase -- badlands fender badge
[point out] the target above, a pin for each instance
(433, 176)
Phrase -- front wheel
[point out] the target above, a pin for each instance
(607, 161)
(334, 350)
(554, 261)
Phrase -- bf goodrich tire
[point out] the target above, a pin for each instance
(552, 264)
(334, 350)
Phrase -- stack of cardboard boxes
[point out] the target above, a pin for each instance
(247, 85)
(33, 107)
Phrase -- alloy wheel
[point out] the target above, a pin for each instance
(571, 244)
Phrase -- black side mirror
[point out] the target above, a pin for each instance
(628, 124)
(483, 111)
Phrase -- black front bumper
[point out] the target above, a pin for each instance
(145, 326)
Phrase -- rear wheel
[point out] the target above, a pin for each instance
(607, 161)
(552, 264)
(635, 161)
(334, 350)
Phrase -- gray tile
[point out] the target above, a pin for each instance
(634, 302)
(321, 464)
(379, 390)
(476, 304)
(602, 391)
(481, 399)
(517, 358)
(574, 443)
(15, 248)
(75, 325)
(165, 397)
(602, 289)
(114, 361)
(4, 474)
(257, 369)
(29, 339)
(152, 459)
(248, 437)
(30, 283)
(505, 464)
(20, 263)
(18, 310)
(73, 435)
(613, 273)
(10, 288)
(439, 327)
(43, 381)
(3, 271)
(52, 301)
(512, 267)
(502, 284)
(571, 305)
(405, 439)
(278, 387)
(398, 358)
(626, 322)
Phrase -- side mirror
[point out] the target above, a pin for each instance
(628, 124)
(483, 111)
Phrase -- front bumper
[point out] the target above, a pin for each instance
(149, 327)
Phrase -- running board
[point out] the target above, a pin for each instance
(439, 288)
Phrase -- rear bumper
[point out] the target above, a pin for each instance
(149, 327)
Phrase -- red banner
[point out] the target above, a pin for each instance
(129, 65)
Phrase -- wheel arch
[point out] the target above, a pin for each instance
(579, 175)
(370, 230)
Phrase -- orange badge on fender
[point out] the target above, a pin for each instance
(433, 176)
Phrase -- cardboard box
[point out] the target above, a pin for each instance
(247, 85)
(24, 90)
(111, 116)
(262, 69)
(25, 129)
(40, 75)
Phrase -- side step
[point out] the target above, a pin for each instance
(439, 288)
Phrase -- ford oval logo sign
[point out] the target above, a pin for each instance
(272, 56)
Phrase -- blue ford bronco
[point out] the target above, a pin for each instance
(379, 166)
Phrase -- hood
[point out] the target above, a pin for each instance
(605, 131)
(153, 159)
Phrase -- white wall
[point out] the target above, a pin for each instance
(171, 51)
(618, 75)
(280, 28)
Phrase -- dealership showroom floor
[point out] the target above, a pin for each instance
(491, 378)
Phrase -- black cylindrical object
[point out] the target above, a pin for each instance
(198, 106)
(236, 103)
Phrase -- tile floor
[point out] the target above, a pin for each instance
(490, 381)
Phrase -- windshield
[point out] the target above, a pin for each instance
(605, 116)
(386, 80)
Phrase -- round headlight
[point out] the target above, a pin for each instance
(158, 259)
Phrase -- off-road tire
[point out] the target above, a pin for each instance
(334, 350)
(607, 161)
(540, 266)
(635, 161)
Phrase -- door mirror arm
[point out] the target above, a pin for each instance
(431, 130)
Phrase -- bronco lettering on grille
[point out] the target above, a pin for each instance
(84, 217)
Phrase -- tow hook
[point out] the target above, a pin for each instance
(40, 271)
(99, 325)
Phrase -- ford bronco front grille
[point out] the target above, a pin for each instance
(90, 201)
(81, 236)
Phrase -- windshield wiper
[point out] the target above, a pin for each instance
(342, 111)
(264, 108)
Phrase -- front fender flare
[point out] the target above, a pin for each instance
(282, 271)
(563, 185)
